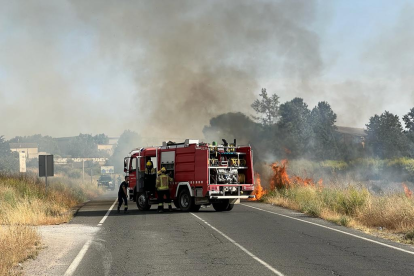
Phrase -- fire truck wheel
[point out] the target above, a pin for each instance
(142, 203)
(230, 207)
(221, 206)
(185, 201)
(176, 203)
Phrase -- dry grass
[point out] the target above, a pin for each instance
(24, 203)
(351, 206)
(17, 243)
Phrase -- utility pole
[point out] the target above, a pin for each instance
(83, 171)
(46, 173)
(91, 177)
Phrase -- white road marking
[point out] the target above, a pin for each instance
(333, 229)
(71, 269)
(75, 263)
(241, 247)
(107, 214)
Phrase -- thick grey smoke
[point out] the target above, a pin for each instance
(196, 60)
(162, 67)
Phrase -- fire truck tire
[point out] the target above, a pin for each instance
(221, 206)
(142, 203)
(176, 203)
(185, 201)
(230, 207)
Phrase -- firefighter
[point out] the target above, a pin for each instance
(149, 168)
(122, 194)
(163, 181)
(150, 177)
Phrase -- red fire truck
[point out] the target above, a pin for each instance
(202, 173)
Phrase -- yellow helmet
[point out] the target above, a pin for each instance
(163, 170)
(149, 164)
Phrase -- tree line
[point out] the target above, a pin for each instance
(81, 146)
(293, 130)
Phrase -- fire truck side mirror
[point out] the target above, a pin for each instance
(126, 163)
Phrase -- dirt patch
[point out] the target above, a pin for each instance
(61, 244)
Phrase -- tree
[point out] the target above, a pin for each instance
(101, 139)
(9, 161)
(409, 126)
(232, 126)
(385, 136)
(83, 146)
(295, 128)
(128, 141)
(267, 108)
(323, 121)
(409, 121)
(45, 143)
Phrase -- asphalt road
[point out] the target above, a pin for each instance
(252, 239)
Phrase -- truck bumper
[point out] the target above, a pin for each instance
(232, 197)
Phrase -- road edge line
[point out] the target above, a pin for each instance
(107, 213)
(333, 229)
(75, 263)
(268, 266)
(71, 269)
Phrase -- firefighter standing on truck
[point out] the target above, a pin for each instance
(163, 188)
(149, 168)
(122, 194)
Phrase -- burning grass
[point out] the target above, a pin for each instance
(24, 203)
(352, 205)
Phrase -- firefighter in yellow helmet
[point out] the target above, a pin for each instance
(163, 188)
(149, 168)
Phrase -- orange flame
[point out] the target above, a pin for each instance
(407, 191)
(258, 190)
(281, 179)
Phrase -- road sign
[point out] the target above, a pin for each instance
(107, 169)
(22, 161)
(46, 167)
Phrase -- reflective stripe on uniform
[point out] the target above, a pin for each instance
(163, 182)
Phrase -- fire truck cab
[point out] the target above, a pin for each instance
(202, 173)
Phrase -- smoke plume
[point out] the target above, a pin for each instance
(162, 68)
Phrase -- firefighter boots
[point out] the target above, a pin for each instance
(169, 208)
(160, 209)
(119, 207)
(126, 210)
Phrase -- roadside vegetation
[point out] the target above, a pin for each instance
(24, 203)
(389, 214)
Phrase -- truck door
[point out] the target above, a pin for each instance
(132, 172)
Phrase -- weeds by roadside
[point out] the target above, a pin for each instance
(17, 243)
(351, 206)
(24, 203)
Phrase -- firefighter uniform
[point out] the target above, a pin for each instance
(149, 177)
(163, 188)
(149, 171)
(122, 196)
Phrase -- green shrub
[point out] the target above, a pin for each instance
(352, 200)
(409, 235)
(333, 165)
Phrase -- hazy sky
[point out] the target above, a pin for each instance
(164, 68)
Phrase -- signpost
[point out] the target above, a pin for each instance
(46, 166)
(107, 169)
(22, 161)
